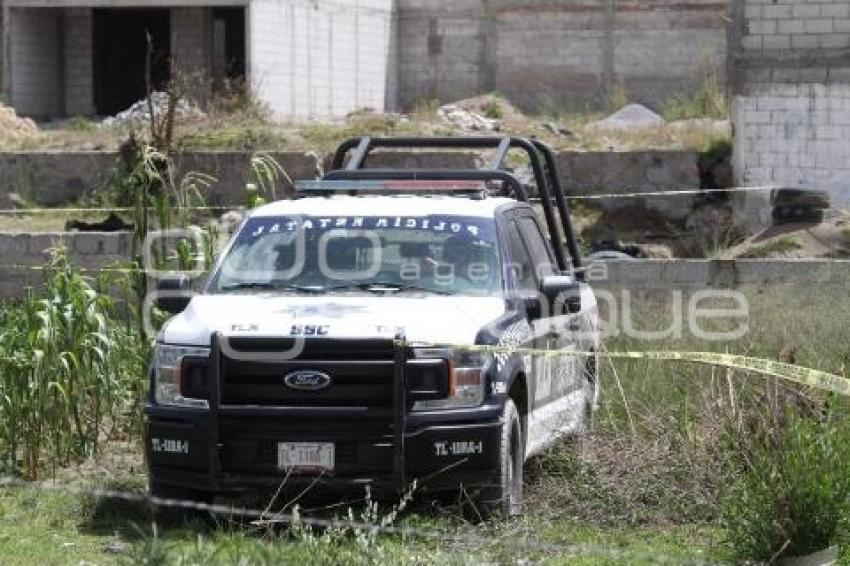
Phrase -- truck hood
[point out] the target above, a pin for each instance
(430, 319)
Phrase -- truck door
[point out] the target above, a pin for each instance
(524, 280)
(554, 331)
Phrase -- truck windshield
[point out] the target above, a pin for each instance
(440, 254)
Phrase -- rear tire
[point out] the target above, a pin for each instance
(505, 498)
(166, 514)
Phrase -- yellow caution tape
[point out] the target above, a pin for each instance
(817, 379)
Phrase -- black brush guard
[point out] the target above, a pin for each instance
(398, 412)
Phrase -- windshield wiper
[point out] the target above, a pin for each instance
(242, 285)
(382, 287)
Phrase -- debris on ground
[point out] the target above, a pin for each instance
(827, 239)
(556, 129)
(140, 111)
(467, 120)
(487, 113)
(13, 126)
(629, 117)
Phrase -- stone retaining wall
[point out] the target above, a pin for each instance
(51, 178)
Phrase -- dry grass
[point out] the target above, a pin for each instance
(236, 121)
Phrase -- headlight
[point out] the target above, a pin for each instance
(466, 378)
(168, 362)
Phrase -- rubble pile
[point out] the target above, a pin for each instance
(467, 120)
(629, 117)
(140, 111)
(486, 113)
(13, 126)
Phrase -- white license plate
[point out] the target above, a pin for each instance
(306, 456)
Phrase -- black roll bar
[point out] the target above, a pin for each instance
(563, 210)
(364, 145)
(429, 175)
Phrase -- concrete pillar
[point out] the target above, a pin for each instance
(35, 77)
(79, 86)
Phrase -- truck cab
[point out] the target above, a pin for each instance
(382, 328)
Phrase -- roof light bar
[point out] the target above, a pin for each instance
(423, 186)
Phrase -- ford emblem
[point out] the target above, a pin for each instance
(307, 380)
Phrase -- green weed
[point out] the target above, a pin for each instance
(81, 124)
(782, 245)
(790, 489)
(492, 109)
(707, 101)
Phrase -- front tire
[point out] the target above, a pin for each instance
(505, 497)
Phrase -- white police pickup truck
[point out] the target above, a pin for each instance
(362, 334)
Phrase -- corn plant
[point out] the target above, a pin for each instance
(65, 373)
(265, 173)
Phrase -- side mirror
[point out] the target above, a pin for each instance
(562, 290)
(176, 290)
(531, 303)
(527, 302)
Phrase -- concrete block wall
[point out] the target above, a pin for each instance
(3, 18)
(22, 256)
(79, 82)
(34, 81)
(795, 135)
(320, 59)
(792, 25)
(564, 55)
(52, 178)
(790, 76)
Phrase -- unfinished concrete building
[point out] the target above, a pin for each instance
(790, 73)
(317, 58)
(301, 57)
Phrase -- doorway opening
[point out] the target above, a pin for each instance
(120, 45)
(228, 46)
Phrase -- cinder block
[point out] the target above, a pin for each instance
(762, 27)
(41, 243)
(13, 247)
(806, 10)
(790, 26)
(96, 243)
(813, 75)
(835, 10)
(777, 11)
(835, 40)
(776, 41)
(805, 41)
(818, 26)
(756, 117)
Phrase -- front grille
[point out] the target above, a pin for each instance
(361, 374)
